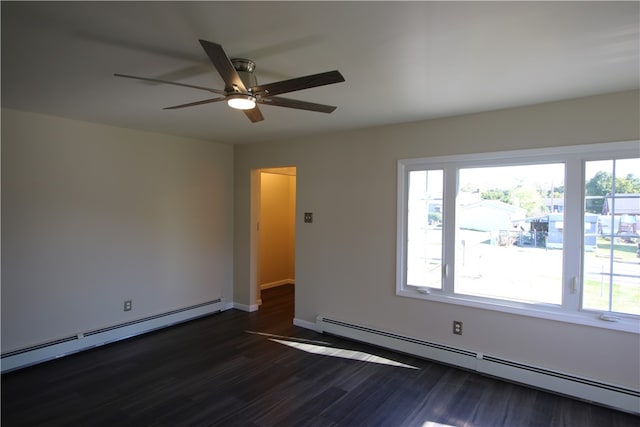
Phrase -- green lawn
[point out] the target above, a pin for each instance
(621, 250)
(626, 298)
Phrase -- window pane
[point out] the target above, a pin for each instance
(611, 274)
(424, 229)
(509, 232)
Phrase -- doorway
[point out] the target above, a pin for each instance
(275, 232)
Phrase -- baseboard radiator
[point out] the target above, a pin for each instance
(85, 340)
(613, 396)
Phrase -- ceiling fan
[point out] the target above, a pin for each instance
(242, 90)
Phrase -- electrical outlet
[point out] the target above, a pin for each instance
(128, 305)
(457, 327)
(308, 217)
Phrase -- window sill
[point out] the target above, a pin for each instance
(584, 318)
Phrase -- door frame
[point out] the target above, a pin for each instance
(254, 230)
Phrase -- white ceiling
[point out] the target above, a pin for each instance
(401, 61)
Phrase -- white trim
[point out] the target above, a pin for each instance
(610, 395)
(581, 318)
(304, 324)
(244, 307)
(277, 283)
(88, 339)
(532, 155)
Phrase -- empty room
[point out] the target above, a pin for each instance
(320, 213)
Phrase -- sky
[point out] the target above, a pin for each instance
(544, 176)
(504, 177)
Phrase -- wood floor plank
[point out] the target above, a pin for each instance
(310, 411)
(227, 370)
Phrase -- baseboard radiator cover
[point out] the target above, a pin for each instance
(54, 349)
(609, 395)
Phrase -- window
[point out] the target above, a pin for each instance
(611, 246)
(550, 233)
(504, 232)
(424, 243)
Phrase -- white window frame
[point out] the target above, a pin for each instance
(574, 158)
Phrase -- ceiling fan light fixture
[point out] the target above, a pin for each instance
(241, 101)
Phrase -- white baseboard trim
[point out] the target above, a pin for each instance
(85, 340)
(277, 283)
(227, 305)
(307, 325)
(611, 395)
(244, 307)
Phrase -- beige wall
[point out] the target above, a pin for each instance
(345, 260)
(277, 229)
(94, 215)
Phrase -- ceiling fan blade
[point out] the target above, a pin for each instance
(148, 79)
(255, 115)
(224, 66)
(294, 103)
(299, 83)
(193, 104)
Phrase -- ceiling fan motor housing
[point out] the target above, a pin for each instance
(245, 68)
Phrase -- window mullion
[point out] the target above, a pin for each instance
(449, 228)
(573, 234)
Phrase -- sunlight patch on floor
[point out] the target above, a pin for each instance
(342, 353)
(288, 338)
(434, 424)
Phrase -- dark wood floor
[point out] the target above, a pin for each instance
(217, 371)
